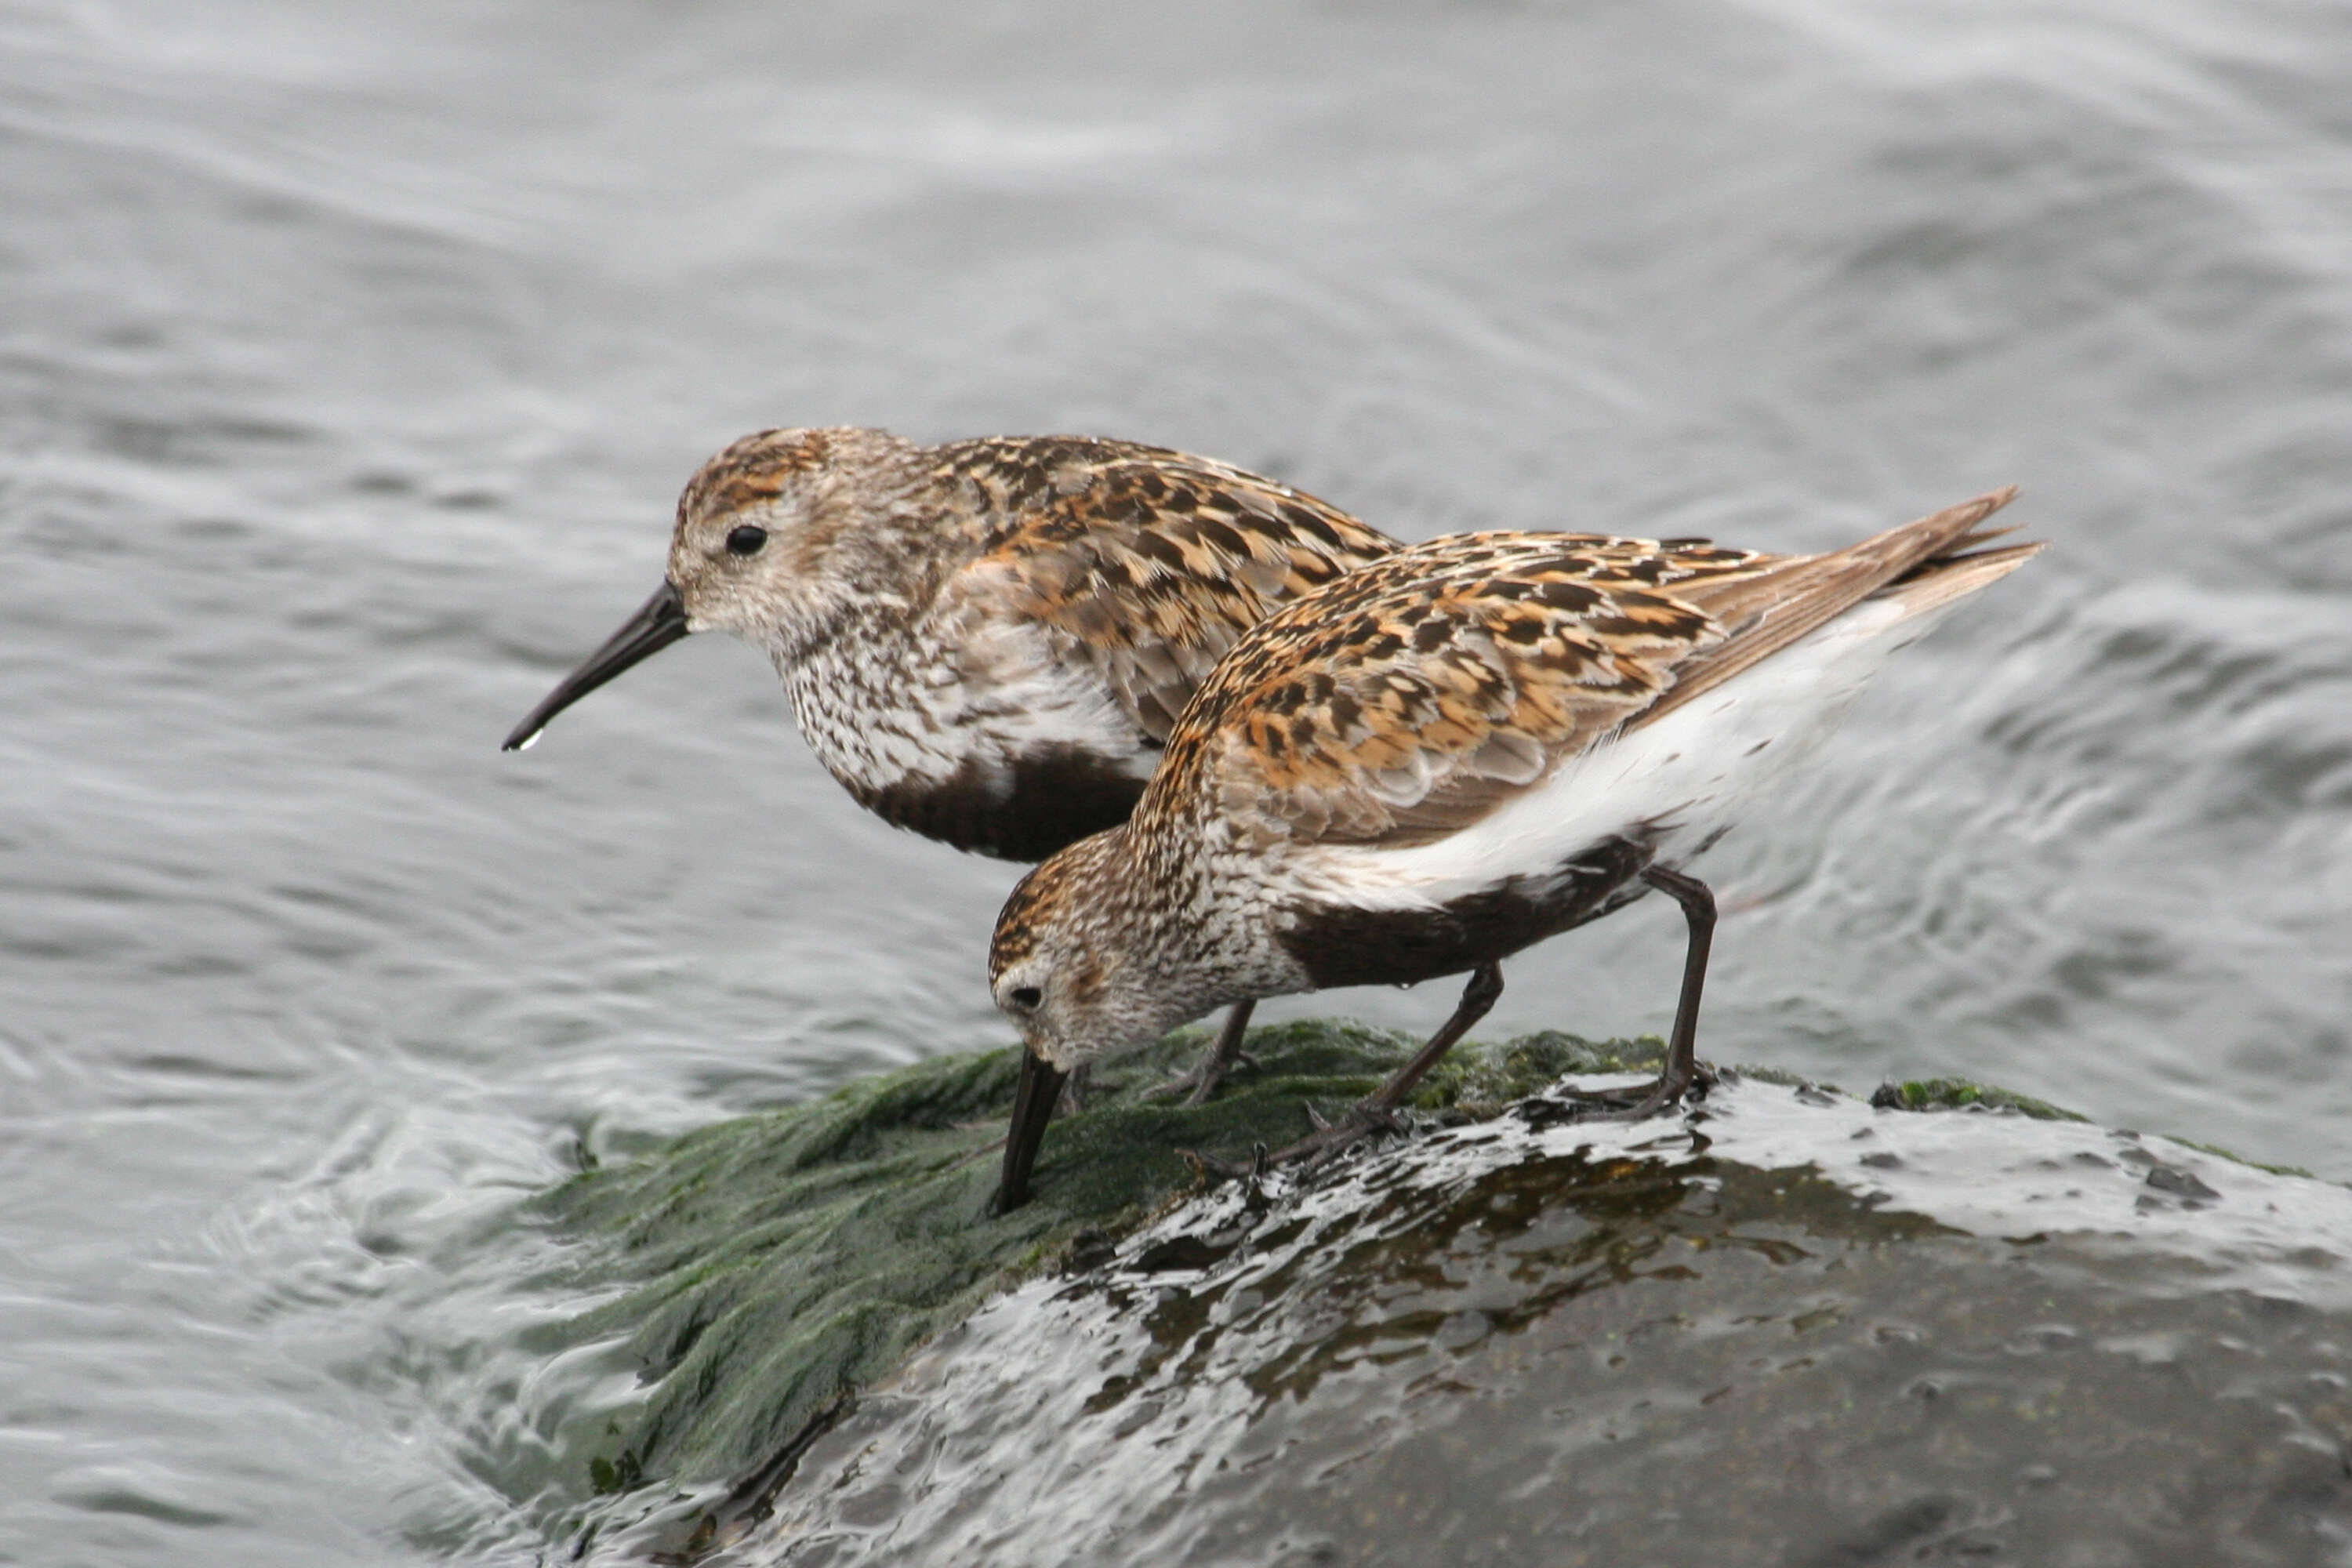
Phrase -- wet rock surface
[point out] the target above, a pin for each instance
(1791, 1327)
(759, 1270)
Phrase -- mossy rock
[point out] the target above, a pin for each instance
(1959, 1094)
(774, 1263)
(769, 1266)
(761, 1273)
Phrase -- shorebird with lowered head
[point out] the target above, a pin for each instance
(1443, 758)
(985, 641)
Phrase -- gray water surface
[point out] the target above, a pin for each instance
(350, 358)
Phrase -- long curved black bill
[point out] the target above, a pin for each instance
(660, 622)
(1033, 1106)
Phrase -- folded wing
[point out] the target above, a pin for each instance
(1145, 565)
(1412, 698)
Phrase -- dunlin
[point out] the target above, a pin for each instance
(986, 641)
(1460, 750)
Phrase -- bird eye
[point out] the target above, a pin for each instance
(1026, 997)
(746, 538)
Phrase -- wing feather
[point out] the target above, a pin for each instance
(1144, 564)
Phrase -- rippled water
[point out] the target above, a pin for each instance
(350, 358)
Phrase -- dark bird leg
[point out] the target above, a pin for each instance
(1682, 1048)
(1208, 1075)
(1478, 999)
(1681, 1067)
(1378, 1108)
(1212, 1068)
(1032, 1108)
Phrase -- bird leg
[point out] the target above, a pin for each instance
(1207, 1075)
(1032, 1108)
(1680, 1067)
(1378, 1109)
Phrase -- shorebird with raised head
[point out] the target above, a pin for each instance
(1443, 758)
(985, 641)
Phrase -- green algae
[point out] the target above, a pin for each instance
(2219, 1153)
(1959, 1094)
(1962, 1094)
(769, 1266)
(772, 1263)
(763, 1271)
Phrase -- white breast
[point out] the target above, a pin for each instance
(882, 711)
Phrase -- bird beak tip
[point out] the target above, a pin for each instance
(660, 622)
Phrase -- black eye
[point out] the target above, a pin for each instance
(1027, 996)
(746, 538)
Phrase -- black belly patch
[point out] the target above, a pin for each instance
(1058, 795)
(1340, 946)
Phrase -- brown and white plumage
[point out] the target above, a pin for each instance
(1452, 753)
(985, 641)
(1414, 698)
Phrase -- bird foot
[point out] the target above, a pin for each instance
(1200, 1082)
(1331, 1138)
(1225, 1170)
(1637, 1102)
(1327, 1142)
